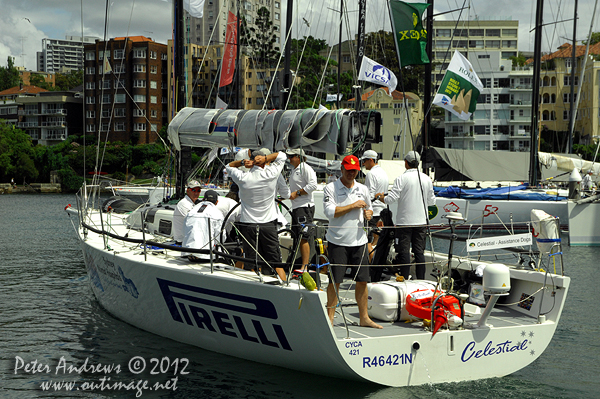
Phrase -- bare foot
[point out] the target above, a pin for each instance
(369, 323)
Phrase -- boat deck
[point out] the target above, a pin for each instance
(501, 316)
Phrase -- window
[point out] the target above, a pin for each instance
(260, 75)
(90, 85)
(249, 100)
(139, 112)
(154, 127)
(459, 43)
(139, 53)
(139, 68)
(476, 32)
(119, 54)
(346, 59)
(119, 112)
(477, 44)
(118, 68)
(567, 80)
(443, 33)
(139, 83)
(492, 43)
(276, 4)
(139, 127)
(90, 71)
(164, 100)
(90, 114)
(106, 84)
(492, 32)
(153, 55)
(153, 84)
(106, 98)
(120, 99)
(509, 32)
(120, 84)
(119, 126)
(509, 43)
(566, 114)
(106, 113)
(153, 69)
(276, 16)
(397, 137)
(486, 82)
(90, 100)
(153, 113)
(105, 127)
(567, 97)
(153, 99)
(442, 44)
(461, 33)
(248, 87)
(139, 98)
(90, 128)
(90, 56)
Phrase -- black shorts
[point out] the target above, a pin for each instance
(340, 255)
(372, 227)
(301, 217)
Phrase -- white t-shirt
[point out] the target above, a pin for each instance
(377, 182)
(412, 202)
(303, 177)
(182, 209)
(196, 227)
(257, 190)
(349, 229)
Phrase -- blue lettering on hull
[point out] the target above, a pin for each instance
(188, 304)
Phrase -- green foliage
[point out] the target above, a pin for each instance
(260, 39)
(64, 82)
(70, 181)
(519, 60)
(118, 176)
(595, 38)
(38, 80)
(16, 154)
(586, 151)
(137, 170)
(9, 76)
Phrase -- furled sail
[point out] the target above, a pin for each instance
(316, 130)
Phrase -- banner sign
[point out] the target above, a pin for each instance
(515, 240)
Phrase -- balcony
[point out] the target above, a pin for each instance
(58, 111)
(54, 124)
(27, 124)
(28, 112)
(521, 87)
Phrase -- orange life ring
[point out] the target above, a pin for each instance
(419, 302)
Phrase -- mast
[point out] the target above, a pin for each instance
(339, 69)
(535, 103)
(185, 155)
(287, 55)
(571, 98)
(360, 46)
(427, 86)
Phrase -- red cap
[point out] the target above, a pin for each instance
(350, 162)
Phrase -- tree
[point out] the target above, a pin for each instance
(518, 60)
(68, 81)
(38, 80)
(16, 154)
(260, 39)
(9, 76)
(595, 38)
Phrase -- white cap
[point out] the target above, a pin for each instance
(369, 154)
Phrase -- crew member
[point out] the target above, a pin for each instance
(413, 193)
(377, 182)
(258, 212)
(303, 181)
(347, 204)
(198, 234)
(183, 207)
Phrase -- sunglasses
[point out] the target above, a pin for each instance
(196, 190)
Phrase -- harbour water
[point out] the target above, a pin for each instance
(50, 319)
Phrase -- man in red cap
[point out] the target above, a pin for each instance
(347, 204)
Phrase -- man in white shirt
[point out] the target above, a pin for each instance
(587, 182)
(258, 212)
(198, 234)
(303, 181)
(347, 204)
(413, 193)
(183, 207)
(377, 182)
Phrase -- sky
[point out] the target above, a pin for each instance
(24, 23)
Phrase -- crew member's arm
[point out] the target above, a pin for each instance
(332, 210)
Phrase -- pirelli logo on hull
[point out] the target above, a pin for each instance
(233, 315)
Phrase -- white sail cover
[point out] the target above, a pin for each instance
(545, 231)
(316, 130)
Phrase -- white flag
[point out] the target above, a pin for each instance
(107, 68)
(211, 156)
(194, 7)
(220, 103)
(333, 97)
(459, 89)
(370, 71)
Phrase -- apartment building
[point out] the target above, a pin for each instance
(210, 29)
(62, 55)
(555, 93)
(126, 89)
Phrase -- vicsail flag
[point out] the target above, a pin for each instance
(410, 36)
(460, 88)
(228, 64)
(370, 71)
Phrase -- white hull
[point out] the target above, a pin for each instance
(584, 228)
(231, 312)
